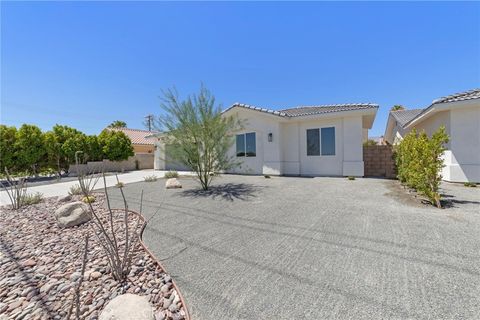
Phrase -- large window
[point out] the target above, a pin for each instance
(246, 145)
(328, 141)
(313, 142)
(321, 141)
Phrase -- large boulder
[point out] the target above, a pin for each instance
(72, 214)
(65, 198)
(126, 307)
(173, 183)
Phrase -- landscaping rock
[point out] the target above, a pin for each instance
(173, 183)
(128, 306)
(66, 198)
(72, 214)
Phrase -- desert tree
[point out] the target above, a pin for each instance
(116, 145)
(117, 124)
(8, 152)
(197, 134)
(30, 147)
(397, 107)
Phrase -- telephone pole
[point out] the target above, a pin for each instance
(149, 121)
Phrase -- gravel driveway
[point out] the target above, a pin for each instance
(315, 248)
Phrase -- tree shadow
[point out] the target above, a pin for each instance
(226, 191)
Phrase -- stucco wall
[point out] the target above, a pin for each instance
(287, 152)
(142, 148)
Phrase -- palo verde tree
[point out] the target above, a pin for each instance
(116, 146)
(197, 134)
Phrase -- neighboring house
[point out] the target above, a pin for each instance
(460, 114)
(140, 142)
(380, 141)
(312, 141)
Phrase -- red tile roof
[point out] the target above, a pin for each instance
(137, 136)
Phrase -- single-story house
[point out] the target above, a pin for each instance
(460, 114)
(140, 141)
(308, 140)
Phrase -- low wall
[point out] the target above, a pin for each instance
(139, 161)
(379, 162)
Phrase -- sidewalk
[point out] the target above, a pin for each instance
(62, 188)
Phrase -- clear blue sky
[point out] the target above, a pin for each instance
(87, 64)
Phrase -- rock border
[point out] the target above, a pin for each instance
(145, 247)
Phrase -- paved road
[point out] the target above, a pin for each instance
(61, 188)
(319, 248)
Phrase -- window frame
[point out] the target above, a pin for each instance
(245, 154)
(319, 130)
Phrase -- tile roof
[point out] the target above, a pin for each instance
(404, 116)
(467, 95)
(137, 136)
(462, 96)
(308, 110)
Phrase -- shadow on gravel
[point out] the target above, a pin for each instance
(227, 191)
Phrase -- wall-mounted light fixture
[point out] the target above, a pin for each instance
(270, 137)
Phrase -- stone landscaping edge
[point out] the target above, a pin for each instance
(145, 247)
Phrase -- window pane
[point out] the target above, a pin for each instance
(313, 142)
(240, 145)
(251, 145)
(328, 141)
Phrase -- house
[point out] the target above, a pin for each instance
(460, 114)
(312, 140)
(140, 141)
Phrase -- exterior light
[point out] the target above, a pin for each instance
(270, 137)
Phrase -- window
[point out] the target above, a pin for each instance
(321, 140)
(313, 142)
(246, 145)
(328, 141)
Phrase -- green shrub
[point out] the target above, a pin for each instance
(370, 142)
(351, 178)
(75, 190)
(120, 184)
(32, 198)
(470, 184)
(419, 162)
(151, 178)
(171, 174)
(267, 176)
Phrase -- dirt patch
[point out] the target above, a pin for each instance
(404, 195)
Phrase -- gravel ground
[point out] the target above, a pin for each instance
(39, 264)
(316, 248)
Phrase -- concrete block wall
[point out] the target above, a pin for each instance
(379, 162)
(145, 161)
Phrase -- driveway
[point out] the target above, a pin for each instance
(315, 248)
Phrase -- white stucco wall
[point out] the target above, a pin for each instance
(287, 153)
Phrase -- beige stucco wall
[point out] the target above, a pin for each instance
(142, 148)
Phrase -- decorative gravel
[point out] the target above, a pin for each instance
(40, 264)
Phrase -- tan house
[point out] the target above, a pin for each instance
(140, 142)
(460, 115)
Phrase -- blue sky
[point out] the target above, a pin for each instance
(87, 64)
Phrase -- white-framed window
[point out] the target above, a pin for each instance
(321, 141)
(246, 145)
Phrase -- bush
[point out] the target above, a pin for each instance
(171, 174)
(32, 198)
(470, 184)
(120, 184)
(370, 142)
(266, 176)
(419, 162)
(89, 199)
(151, 178)
(75, 190)
(351, 178)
